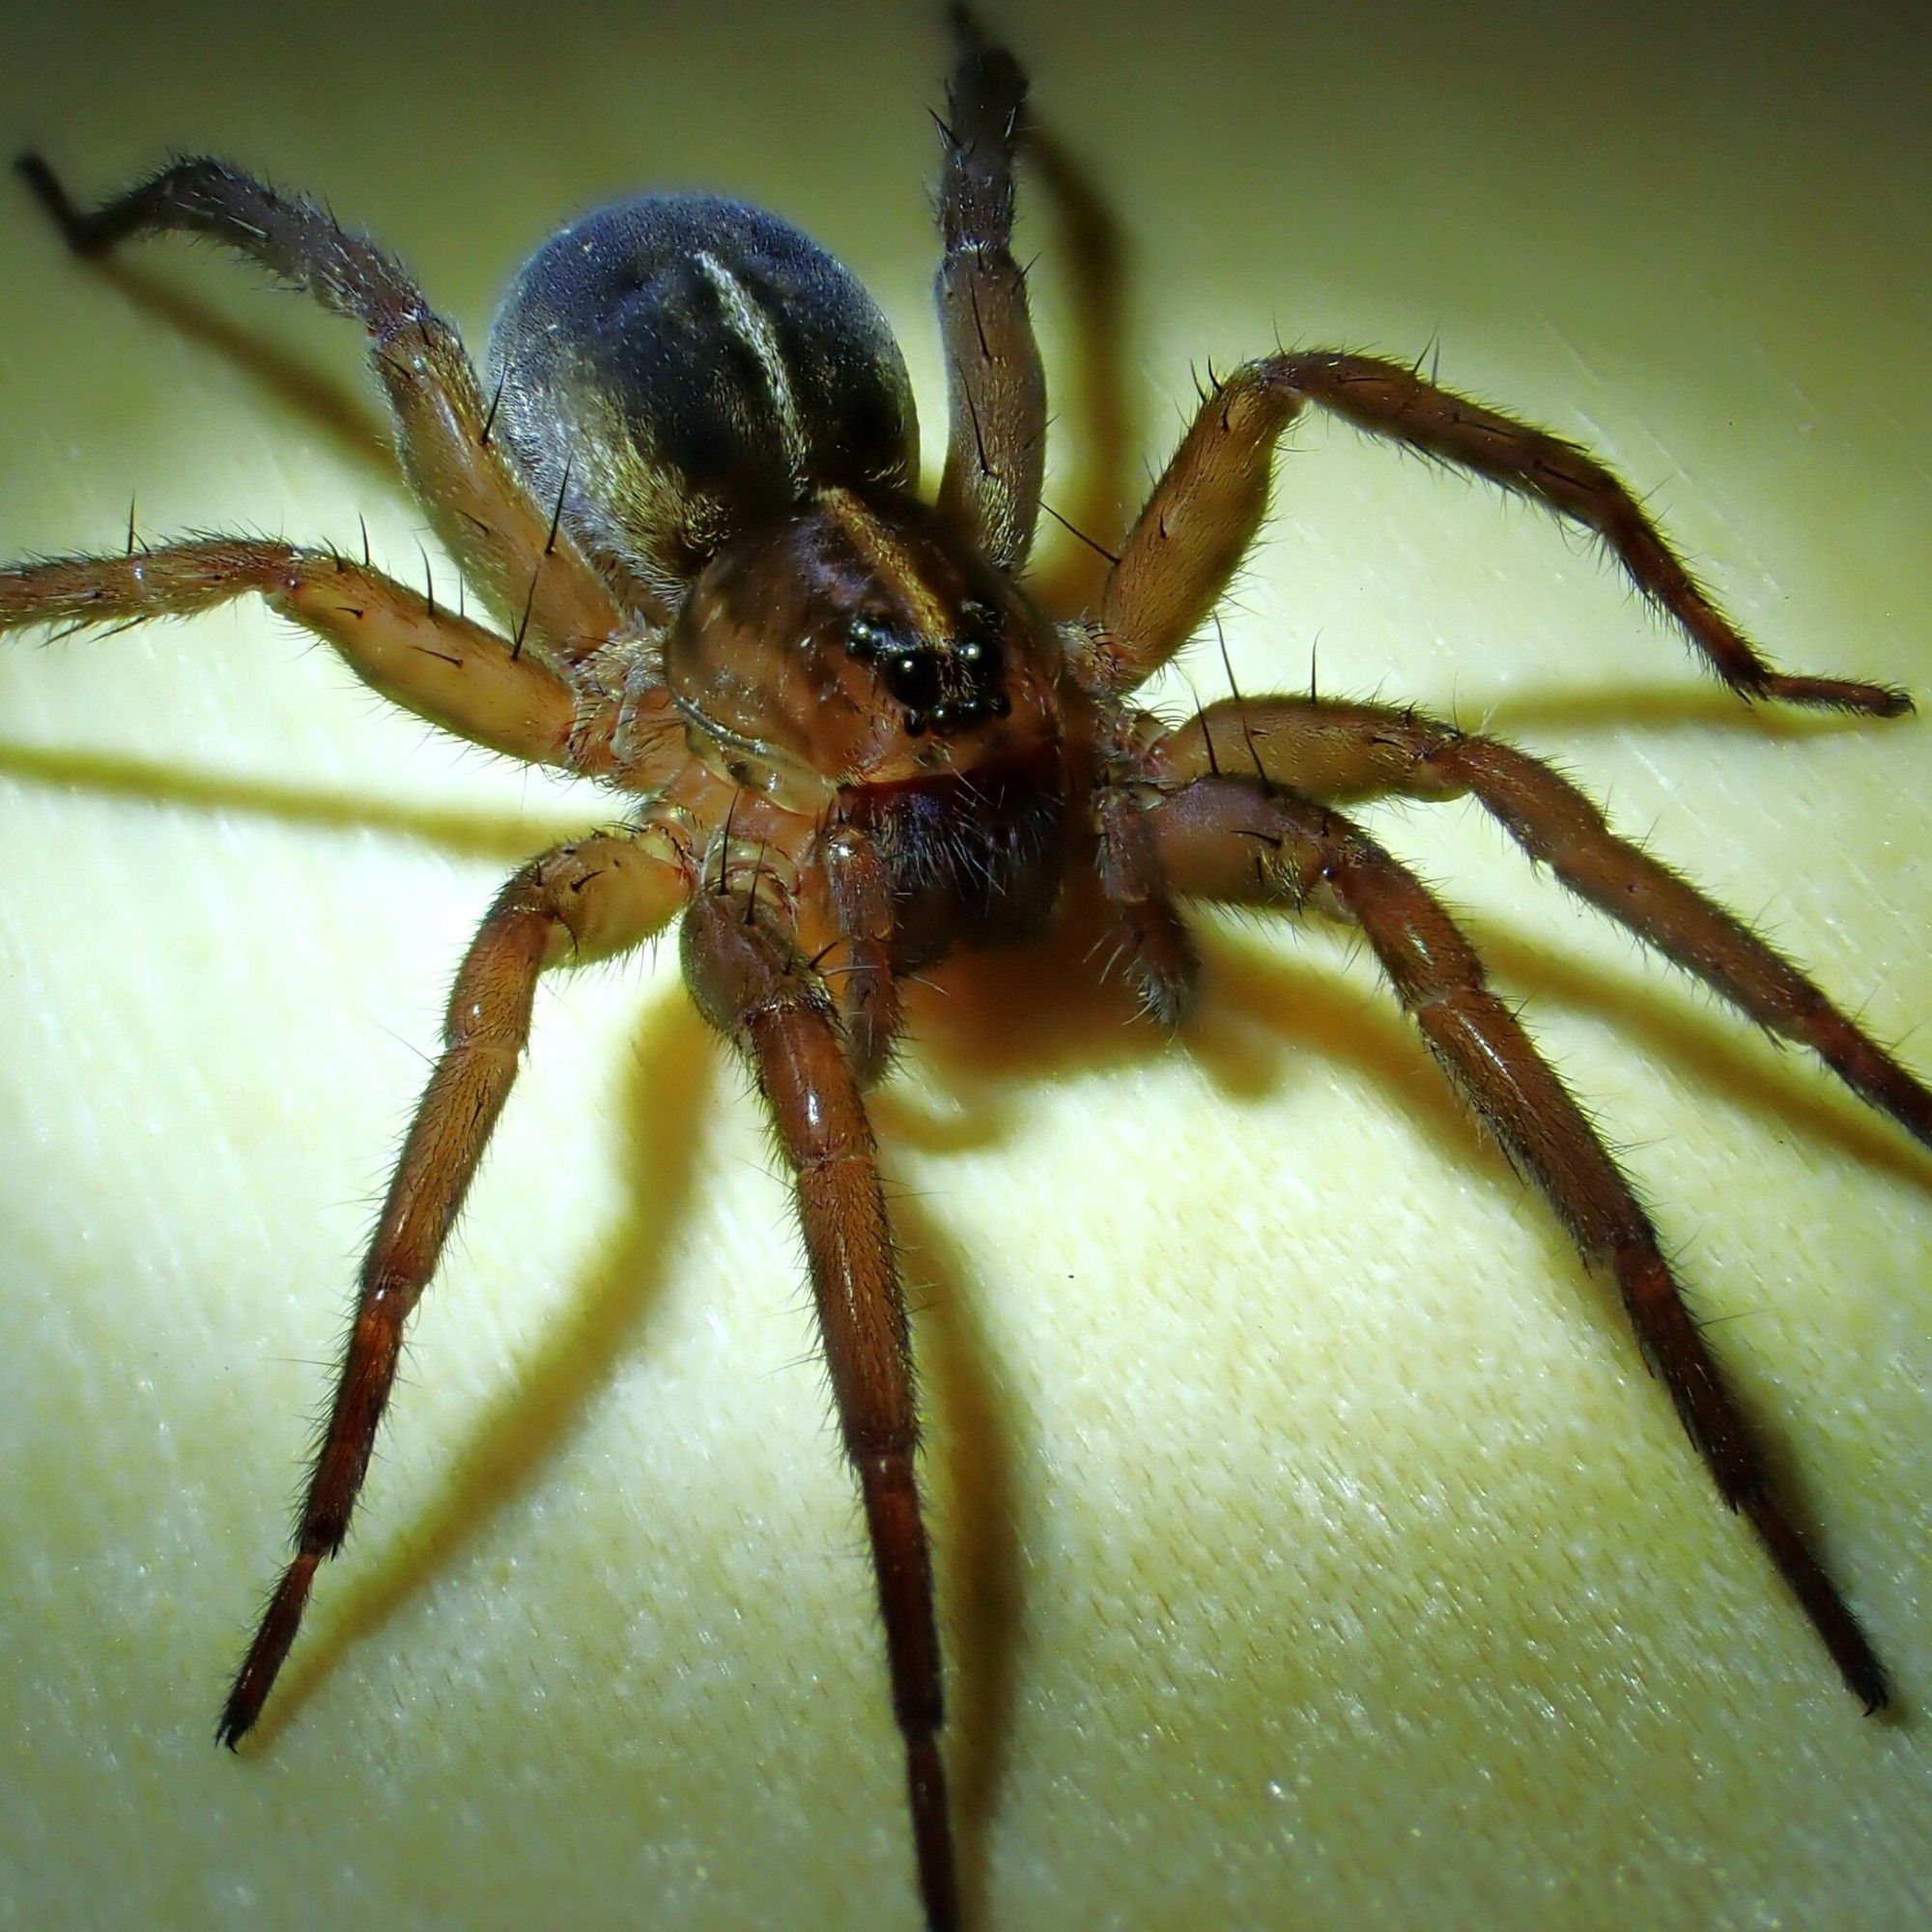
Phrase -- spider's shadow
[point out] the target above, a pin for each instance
(989, 1033)
(530, 1423)
(530, 1419)
(340, 417)
(986, 1028)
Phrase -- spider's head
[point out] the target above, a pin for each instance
(856, 643)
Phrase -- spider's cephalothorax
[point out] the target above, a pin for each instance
(853, 742)
(853, 642)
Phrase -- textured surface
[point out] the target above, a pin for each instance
(1318, 1552)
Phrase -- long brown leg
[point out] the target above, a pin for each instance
(526, 570)
(596, 897)
(1096, 397)
(1228, 839)
(400, 640)
(751, 984)
(996, 450)
(1198, 524)
(1337, 752)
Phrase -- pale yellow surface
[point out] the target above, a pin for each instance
(1316, 1551)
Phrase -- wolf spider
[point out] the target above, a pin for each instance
(857, 739)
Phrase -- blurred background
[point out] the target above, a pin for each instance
(1316, 1551)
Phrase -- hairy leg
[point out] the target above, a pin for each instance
(1337, 752)
(596, 897)
(425, 657)
(1097, 396)
(1205, 511)
(1234, 840)
(996, 449)
(1153, 944)
(529, 571)
(751, 984)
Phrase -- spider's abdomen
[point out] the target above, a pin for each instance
(678, 367)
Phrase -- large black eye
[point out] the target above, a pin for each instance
(913, 679)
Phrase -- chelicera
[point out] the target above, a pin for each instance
(858, 734)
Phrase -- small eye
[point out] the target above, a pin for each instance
(865, 639)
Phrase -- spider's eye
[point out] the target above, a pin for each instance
(865, 638)
(913, 679)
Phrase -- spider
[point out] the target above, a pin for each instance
(858, 735)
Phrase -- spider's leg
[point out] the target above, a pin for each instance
(583, 900)
(1231, 839)
(1339, 752)
(1097, 397)
(411, 648)
(996, 392)
(529, 571)
(751, 983)
(1208, 504)
(1153, 945)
